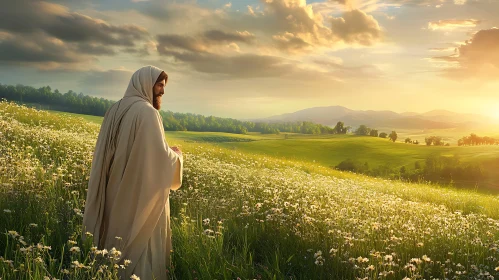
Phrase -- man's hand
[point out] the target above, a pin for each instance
(177, 150)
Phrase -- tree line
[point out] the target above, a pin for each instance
(434, 168)
(474, 140)
(364, 130)
(84, 104)
(55, 100)
(410, 141)
(435, 141)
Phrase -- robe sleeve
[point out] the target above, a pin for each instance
(177, 180)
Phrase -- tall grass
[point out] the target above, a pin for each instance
(238, 215)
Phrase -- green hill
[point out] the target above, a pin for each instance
(330, 150)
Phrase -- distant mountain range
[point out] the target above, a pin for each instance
(436, 119)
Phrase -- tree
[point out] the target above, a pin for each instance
(383, 135)
(437, 141)
(428, 140)
(362, 130)
(393, 136)
(474, 139)
(408, 140)
(340, 128)
(374, 133)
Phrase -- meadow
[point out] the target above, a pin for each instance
(330, 150)
(239, 214)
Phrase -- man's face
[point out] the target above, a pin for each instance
(158, 91)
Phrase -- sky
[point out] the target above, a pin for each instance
(259, 58)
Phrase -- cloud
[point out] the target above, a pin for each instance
(181, 16)
(424, 2)
(281, 26)
(286, 27)
(373, 5)
(291, 43)
(43, 52)
(476, 58)
(57, 35)
(202, 57)
(28, 16)
(298, 28)
(454, 49)
(186, 50)
(453, 24)
(356, 27)
(182, 42)
(204, 42)
(402, 2)
(147, 48)
(229, 37)
(344, 2)
(241, 66)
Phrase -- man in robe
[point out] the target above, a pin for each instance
(133, 170)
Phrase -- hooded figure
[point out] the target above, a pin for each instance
(133, 170)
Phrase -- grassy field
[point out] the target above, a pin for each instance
(93, 119)
(450, 135)
(334, 149)
(238, 214)
(330, 150)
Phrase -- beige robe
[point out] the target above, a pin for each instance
(133, 170)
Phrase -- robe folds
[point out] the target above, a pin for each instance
(133, 171)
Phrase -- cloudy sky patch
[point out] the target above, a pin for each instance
(258, 58)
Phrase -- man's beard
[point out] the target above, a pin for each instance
(156, 102)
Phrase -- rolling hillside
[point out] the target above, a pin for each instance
(330, 150)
